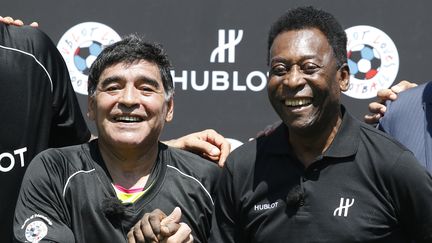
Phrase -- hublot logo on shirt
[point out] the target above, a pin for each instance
(265, 206)
(344, 205)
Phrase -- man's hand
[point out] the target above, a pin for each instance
(16, 22)
(208, 144)
(378, 108)
(157, 227)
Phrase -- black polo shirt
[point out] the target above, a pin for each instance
(65, 195)
(365, 188)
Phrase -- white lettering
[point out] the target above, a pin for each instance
(194, 83)
(220, 80)
(21, 154)
(182, 79)
(11, 163)
(262, 84)
(265, 206)
(9, 158)
(236, 86)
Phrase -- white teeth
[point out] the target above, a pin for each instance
(298, 102)
(128, 119)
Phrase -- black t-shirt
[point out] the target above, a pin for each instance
(365, 188)
(38, 109)
(64, 190)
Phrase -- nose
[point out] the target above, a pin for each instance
(129, 96)
(293, 78)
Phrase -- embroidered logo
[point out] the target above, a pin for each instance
(344, 205)
(265, 206)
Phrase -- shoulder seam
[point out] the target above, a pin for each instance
(193, 178)
(37, 61)
(70, 177)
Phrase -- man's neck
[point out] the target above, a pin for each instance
(307, 147)
(129, 168)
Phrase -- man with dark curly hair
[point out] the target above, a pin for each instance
(321, 176)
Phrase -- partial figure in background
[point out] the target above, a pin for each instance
(38, 106)
(407, 116)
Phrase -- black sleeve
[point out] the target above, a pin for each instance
(41, 213)
(410, 187)
(224, 220)
(68, 124)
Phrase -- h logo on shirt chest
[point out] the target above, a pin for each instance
(344, 205)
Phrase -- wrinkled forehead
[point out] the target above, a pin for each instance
(302, 42)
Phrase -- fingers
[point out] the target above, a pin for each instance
(391, 93)
(16, 22)
(377, 111)
(377, 108)
(372, 118)
(403, 85)
(170, 224)
(135, 234)
(130, 237)
(386, 94)
(218, 146)
(11, 21)
(208, 144)
(154, 218)
(183, 235)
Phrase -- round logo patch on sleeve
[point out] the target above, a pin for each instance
(36, 231)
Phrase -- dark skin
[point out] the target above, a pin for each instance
(304, 88)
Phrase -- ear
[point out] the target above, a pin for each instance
(170, 110)
(344, 76)
(91, 108)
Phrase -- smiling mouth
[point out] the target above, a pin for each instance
(128, 119)
(298, 102)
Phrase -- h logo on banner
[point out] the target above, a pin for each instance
(219, 51)
(343, 207)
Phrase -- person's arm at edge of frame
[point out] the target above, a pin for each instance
(378, 108)
(207, 143)
(16, 22)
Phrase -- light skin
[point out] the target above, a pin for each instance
(378, 108)
(130, 108)
(304, 88)
(16, 22)
(207, 143)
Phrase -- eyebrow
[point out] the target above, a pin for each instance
(141, 79)
(285, 60)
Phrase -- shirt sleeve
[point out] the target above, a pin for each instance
(68, 124)
(225, 224)
(41, 213)
(410, 187)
